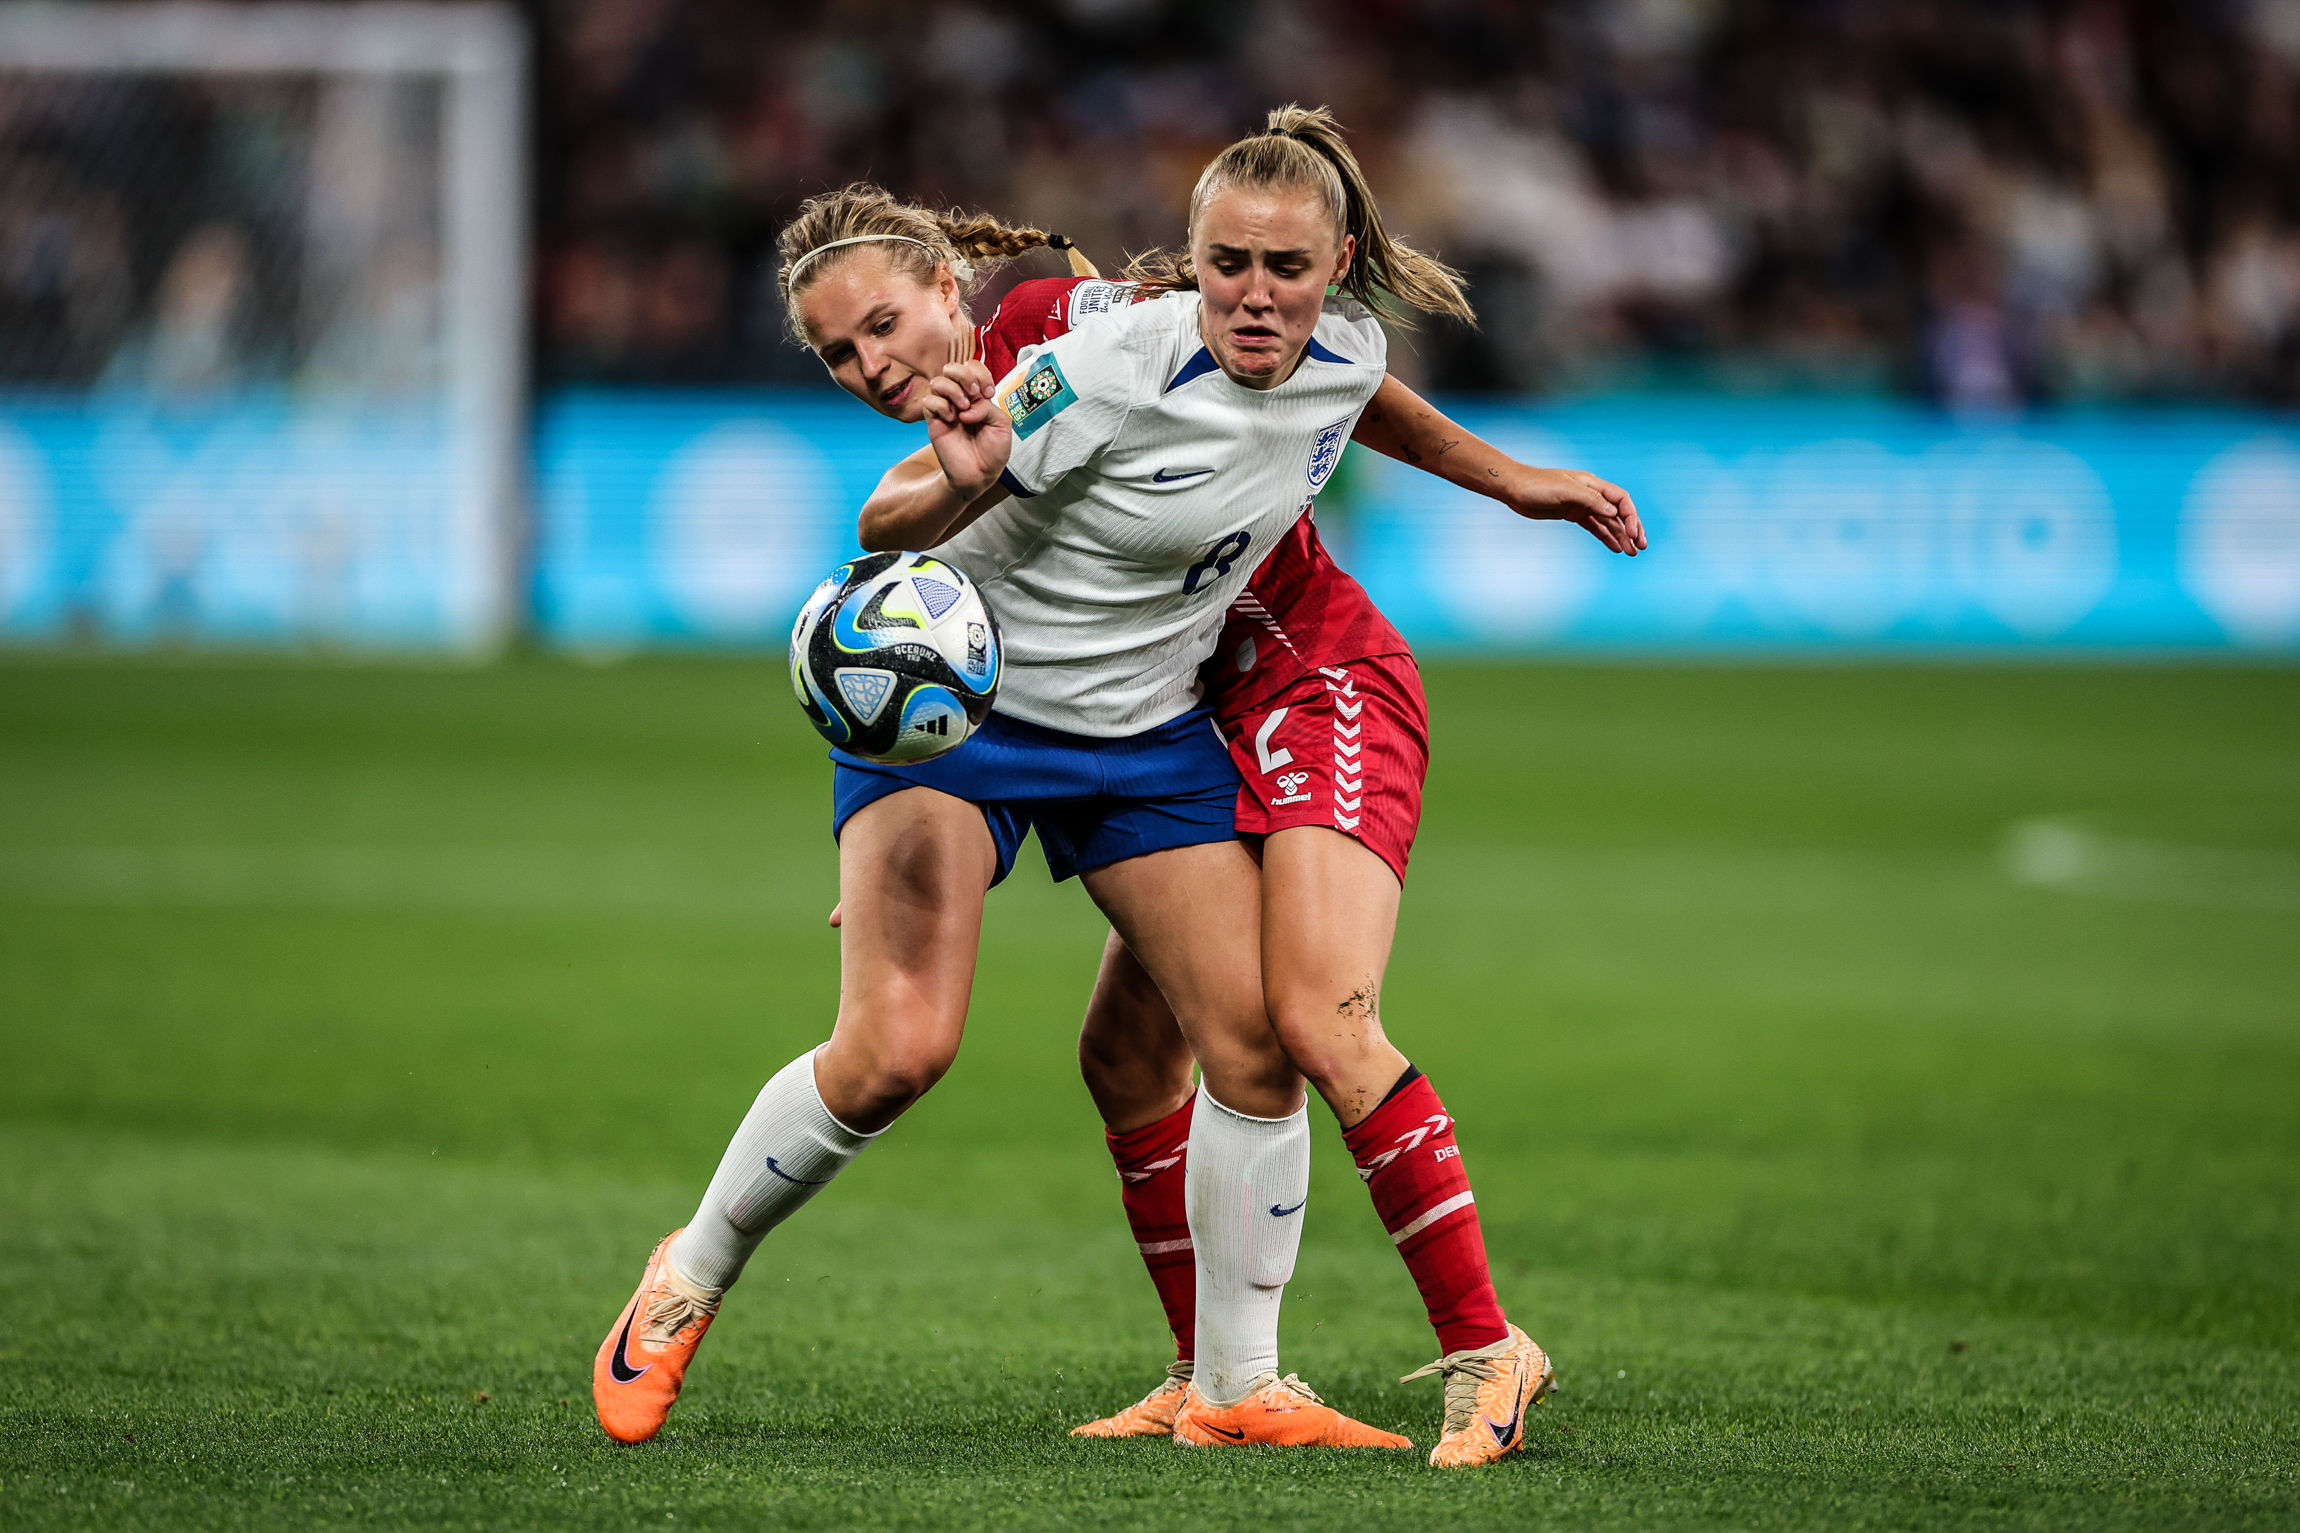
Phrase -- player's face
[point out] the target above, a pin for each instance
(883, 336)
(1264, 259)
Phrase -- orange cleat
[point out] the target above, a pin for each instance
(635, 1379)
(1150, 1416)
(1281, 1411)
(1487, 1393)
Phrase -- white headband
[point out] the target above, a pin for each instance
(791, 280)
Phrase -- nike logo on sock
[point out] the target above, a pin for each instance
(1279, 1213)
(795, 1180)
(618, 1365)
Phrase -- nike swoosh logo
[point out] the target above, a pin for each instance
(1238, 1436)
(1279, 1213)
(1502, 1434)
(618, 1364)
(1163, 477)
(798, 1181)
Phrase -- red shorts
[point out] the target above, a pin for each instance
(1345, 747)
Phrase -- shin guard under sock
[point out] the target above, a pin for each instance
(1249, 1179)
(788, 1149)
(1152, 1183)
(1409, 1161)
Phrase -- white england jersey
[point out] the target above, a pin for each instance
(1146, 488)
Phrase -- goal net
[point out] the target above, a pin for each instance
(262, 307)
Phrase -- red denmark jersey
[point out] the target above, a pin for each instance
(1298, 613)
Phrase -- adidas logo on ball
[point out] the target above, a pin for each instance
(895, 657)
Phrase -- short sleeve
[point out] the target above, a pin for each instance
(1030, 315)
(1067, 400)
(1348, 332)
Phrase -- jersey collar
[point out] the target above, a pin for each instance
(1203, 363)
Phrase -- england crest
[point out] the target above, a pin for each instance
(1327, 451)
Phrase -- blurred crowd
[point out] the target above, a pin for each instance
(1989, 202)
(190, 237)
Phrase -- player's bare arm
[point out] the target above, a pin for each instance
(915, 506)
(1401, 424)
(940, 489)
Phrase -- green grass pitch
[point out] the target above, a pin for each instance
(1882, 1087)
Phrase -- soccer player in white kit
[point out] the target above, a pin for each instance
(1206, 390)
(1330, 899)
(1107, 509)
(1143, 477)
(1314, 599)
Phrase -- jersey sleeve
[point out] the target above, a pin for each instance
(1067, 400)
(1031, 313)
(1348, 332)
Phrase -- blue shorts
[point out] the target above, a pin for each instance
(1092, 801)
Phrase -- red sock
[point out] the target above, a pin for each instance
(1408, 1160)
(1150, 1181)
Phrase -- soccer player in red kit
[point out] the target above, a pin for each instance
(1319, 699)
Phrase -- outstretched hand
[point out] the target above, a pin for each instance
(1603, 510)
(971, 435)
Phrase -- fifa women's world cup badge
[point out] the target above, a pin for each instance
(1038, 398)
(1326, 452)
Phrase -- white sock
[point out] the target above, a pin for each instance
(1247, 1182)
(788, 1148)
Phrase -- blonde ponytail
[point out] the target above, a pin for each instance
(916, 240)
(1303, 146)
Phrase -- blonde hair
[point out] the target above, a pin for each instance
(1304, 147)
(916, 241)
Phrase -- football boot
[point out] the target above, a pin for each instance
(1281, 1411)
(636, 1377)
(1150, 1416)
(1487, 1393)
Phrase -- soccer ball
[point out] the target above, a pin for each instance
(895, 657)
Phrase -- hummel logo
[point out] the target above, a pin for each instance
(1279, 1213)
(1152, 1168)
(618, 1367)
(1164, 476)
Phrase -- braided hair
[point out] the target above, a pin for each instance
(914, 239)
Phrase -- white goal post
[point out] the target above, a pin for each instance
(464, 69)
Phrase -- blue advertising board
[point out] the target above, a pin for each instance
(696, 518)
(249, 522)
(705, 518)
